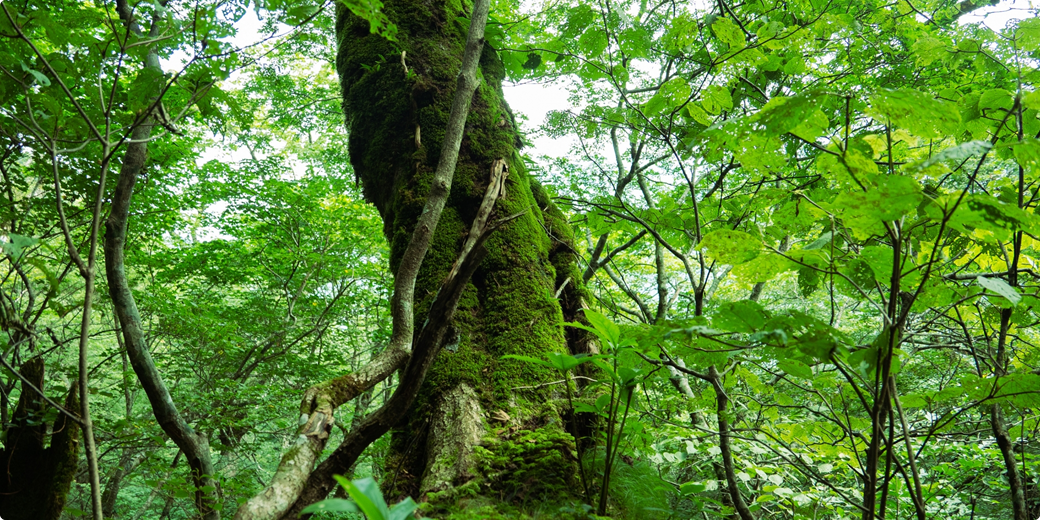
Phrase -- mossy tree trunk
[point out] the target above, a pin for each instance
(397, 104)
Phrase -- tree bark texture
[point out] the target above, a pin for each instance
(397, 114)
(35, 480)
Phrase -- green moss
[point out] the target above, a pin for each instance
(510, 305)
(526, 474)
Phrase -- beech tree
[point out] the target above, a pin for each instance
(786, 271)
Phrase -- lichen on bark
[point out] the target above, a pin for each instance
(397, 97)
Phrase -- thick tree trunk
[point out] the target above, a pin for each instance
(527, 284)
(35, 481)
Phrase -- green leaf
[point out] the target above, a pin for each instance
(988, 213)
(298, 14)
(879, 259)
(955, 154)
(794, 66)
(144, 88)
(739, 316)
(607, 330)
(403, 509)
(332, 505)
(928, 49)
(1031, 100)
(795, 368)
(996, 98)
(729, 246)
(691, 488)
(729, 33)
(1027, 153)
(1000, 287)
(40, 78)
(716, 99)
(824, 242)
(814, 126)
(565, 362)
(368, 497)
(864, 212)
(762, 268)
(1028, 34)
(534, 60)
(628, 375)
(16, 243)
(920, 113)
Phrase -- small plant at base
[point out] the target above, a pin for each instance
(614, 407)
(367, 499)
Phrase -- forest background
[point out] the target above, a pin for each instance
(805, 234)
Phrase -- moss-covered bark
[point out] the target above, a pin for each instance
(397, 98)
(36, 479)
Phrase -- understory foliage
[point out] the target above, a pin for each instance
(806, 230)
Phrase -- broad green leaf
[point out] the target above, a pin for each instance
(628, 374)
(716, 99)
(989, 213)
(928, 49)
(691, 488)
(880, 260)
(1027, 153)
(332, 505)
(825, 241)
(915, 111)
(782, 114)
(762, 268)
(1031, 100)
(144, 88)
(729, 33)
(1000, 287)
(729, 246)
(795, 368)
(607, 330)
(864, 212)
(403, 510)
(14, 244)
(368, 497)
(996, 98)
(808, 280)
(593, 42)
(1028, 34)
(739, 316)
(564, 362)
(40, 78)
(794, 66)
(955, 154)
(698, 114)
(814, 126)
